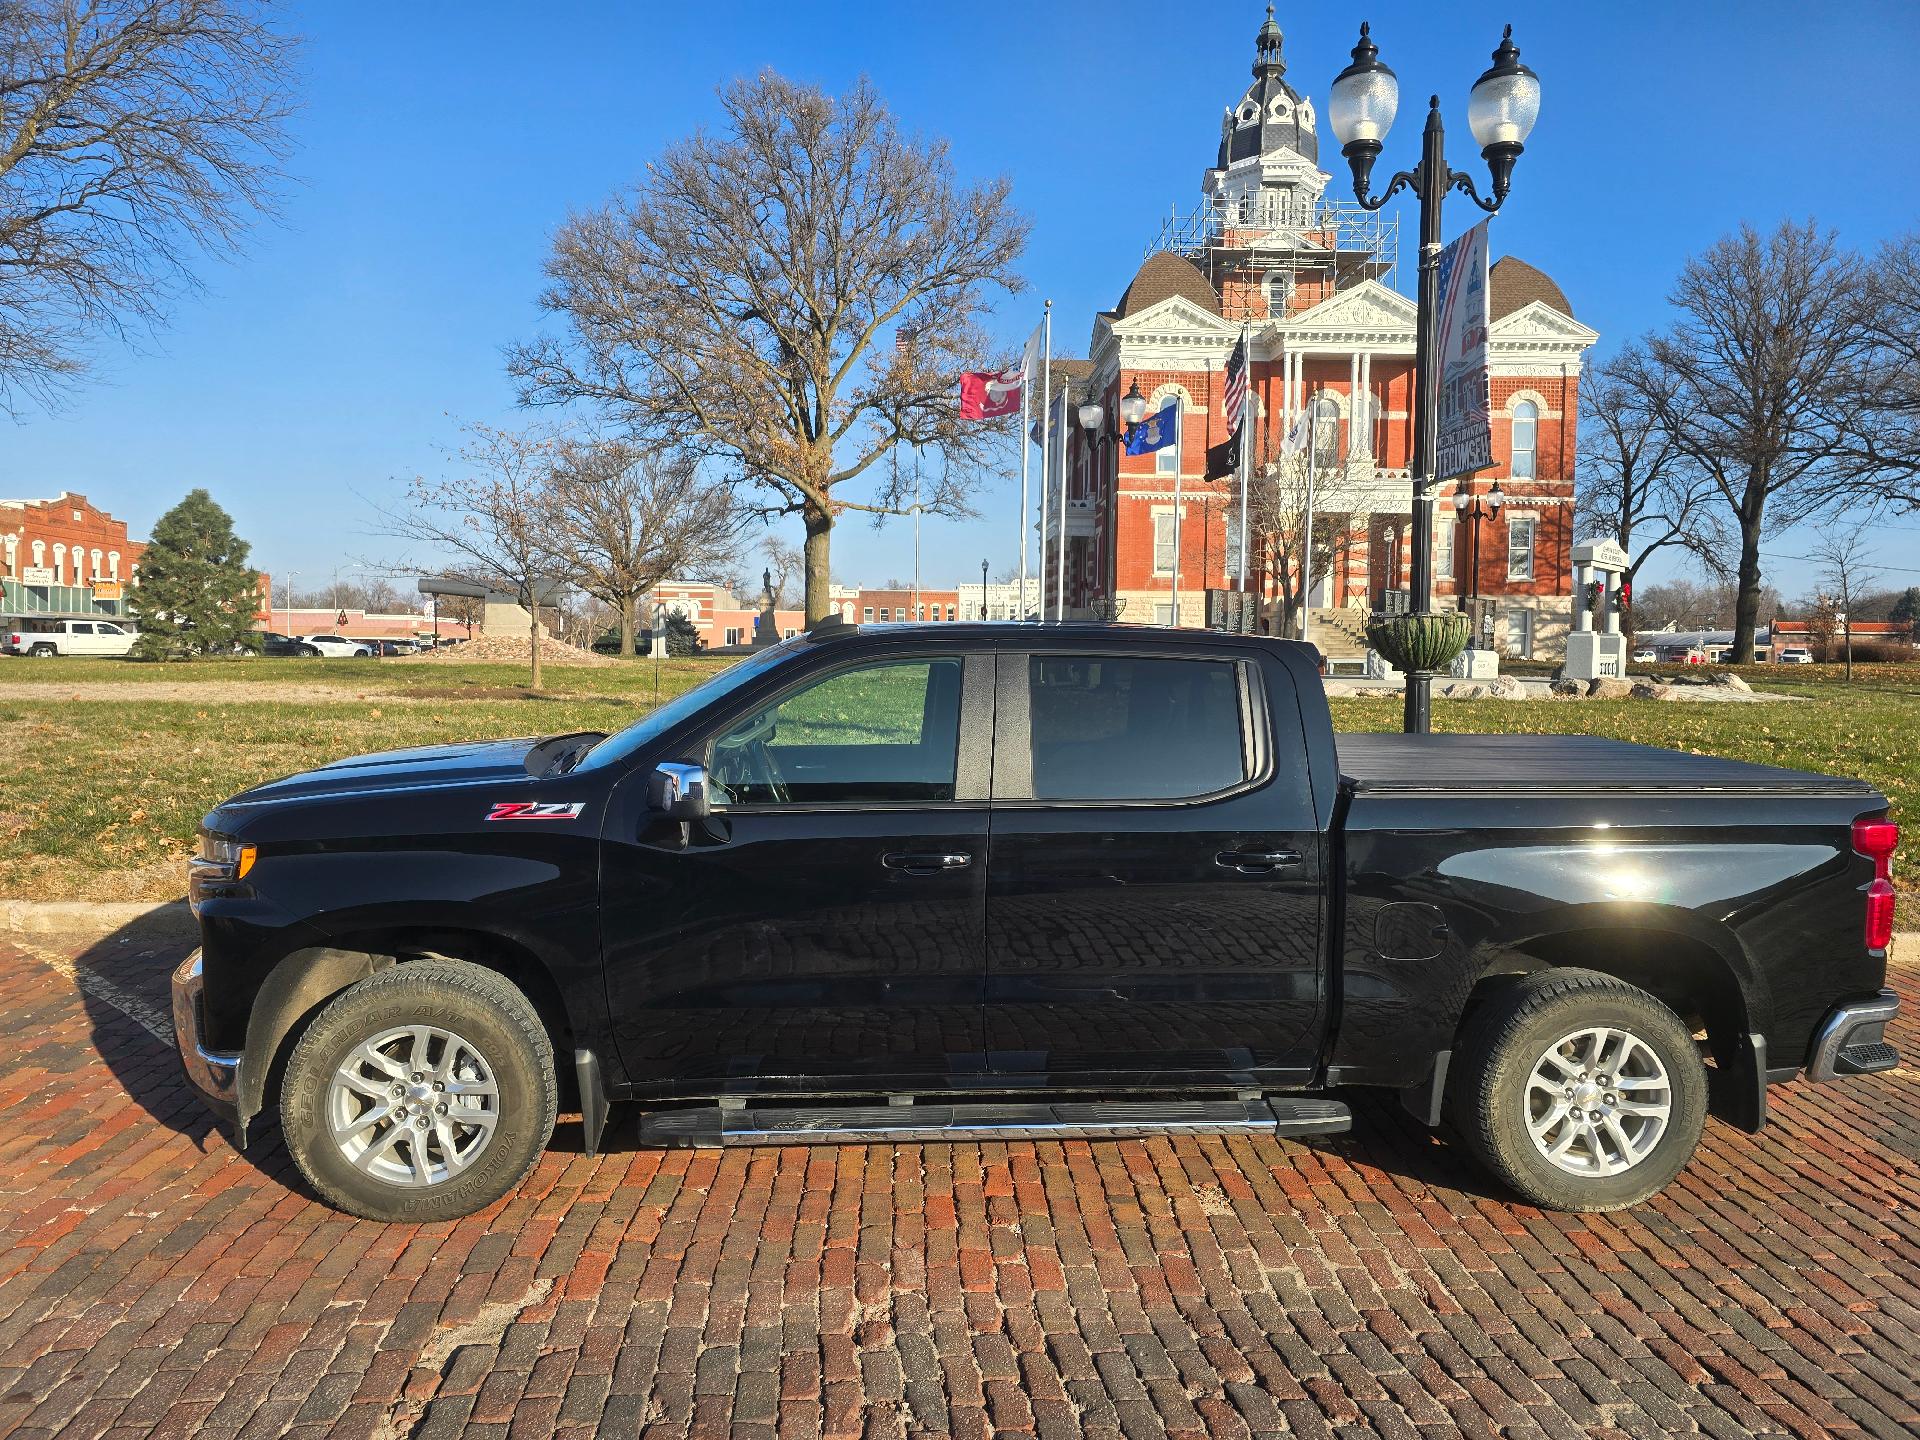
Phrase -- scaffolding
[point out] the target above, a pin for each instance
(1338, 244)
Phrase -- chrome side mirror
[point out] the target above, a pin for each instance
(677, 789)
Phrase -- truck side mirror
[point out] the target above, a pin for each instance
(677, 789)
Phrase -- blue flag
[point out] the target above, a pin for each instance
(1156, 432)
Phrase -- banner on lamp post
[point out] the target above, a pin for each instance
(1460, 349)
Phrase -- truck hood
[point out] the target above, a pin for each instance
(387, 770)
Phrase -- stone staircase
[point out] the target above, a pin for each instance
(1341, 635)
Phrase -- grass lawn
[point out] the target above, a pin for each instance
(113, 764)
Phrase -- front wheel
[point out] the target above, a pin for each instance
(423, 1093)
(1578, 1090)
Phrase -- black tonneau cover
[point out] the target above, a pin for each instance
(1558, 763)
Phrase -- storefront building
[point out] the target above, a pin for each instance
(64, 558)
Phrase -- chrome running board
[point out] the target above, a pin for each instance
(709, 1125)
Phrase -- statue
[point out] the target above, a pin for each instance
(766, 625)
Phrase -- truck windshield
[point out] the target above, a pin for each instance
(622, 743)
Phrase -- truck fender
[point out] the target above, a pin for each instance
(298, 985)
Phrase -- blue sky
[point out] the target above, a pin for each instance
(440, 145)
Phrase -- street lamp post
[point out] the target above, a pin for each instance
(1468, 507)
(983, 589)
(1091, 414)
(1501, 110)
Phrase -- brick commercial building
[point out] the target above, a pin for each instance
(1330, 337)
(64, 557)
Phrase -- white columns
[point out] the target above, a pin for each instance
(1366, 390)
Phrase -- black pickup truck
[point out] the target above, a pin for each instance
(1025, 881)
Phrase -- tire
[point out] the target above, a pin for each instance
(1500, 1096)
(479, 1028)
(43, 652)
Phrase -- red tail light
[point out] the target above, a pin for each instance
(1876, 840)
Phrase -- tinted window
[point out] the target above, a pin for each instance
(80, 627)
(1133, 728)
(888, 731)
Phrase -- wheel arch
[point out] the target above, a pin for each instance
(1704, 979)
(305, 980)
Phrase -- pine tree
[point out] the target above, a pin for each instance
(196, 593)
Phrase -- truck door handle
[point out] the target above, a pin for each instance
(915, 863)
(1252, 862)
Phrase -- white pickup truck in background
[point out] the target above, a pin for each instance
(69, 637)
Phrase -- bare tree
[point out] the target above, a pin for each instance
(631, 517)
(494, 517)
(135, 135)
(744, 300)
(1768, 341)
(1847, 573)
(1637, 485)
(1277, 516)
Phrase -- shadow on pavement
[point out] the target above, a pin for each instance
(124, 981)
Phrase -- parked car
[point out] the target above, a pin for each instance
(1646, 655)
(1796, 655)
(48, 638)
(387, 647)
(286, 645)
(336, 646)
(1073, 881)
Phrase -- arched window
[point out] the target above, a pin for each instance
(113, 563)
(59, 563)
(1279, 291)
(1326, 432)
(1526, 429)
(1166, 460)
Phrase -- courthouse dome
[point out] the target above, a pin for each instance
(1163, 276)
(1271, 115)
(1512, 285)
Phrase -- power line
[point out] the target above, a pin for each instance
(1809, 560)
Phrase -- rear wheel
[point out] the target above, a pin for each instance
(1580, 1091)
(43, 651)
(423, 1093)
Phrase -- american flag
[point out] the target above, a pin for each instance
(1236, 384)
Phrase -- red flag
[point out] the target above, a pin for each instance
(989, 394)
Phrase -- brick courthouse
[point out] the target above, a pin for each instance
(1331, 336)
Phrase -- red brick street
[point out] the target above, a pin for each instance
(155, 1282)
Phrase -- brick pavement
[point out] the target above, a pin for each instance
(154, 1282)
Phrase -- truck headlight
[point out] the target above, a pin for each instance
(220, 858)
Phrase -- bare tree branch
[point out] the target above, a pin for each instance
(135, 135)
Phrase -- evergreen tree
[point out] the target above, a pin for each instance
(196, 593)
(1906, 609)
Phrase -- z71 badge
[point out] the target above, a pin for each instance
(532, 810)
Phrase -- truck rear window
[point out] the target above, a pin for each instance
(1134, 728)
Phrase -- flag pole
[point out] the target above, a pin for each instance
(1025, 445)
(1060, 546)
(1246, 425)
(1178, 421)
(1046, 452)
(1306, 548)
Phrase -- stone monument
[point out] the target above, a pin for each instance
(766, 625)
(1596, 649)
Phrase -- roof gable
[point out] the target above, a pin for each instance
(1367, 306)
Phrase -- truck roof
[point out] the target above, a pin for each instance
(1558, 763)
(948, 631)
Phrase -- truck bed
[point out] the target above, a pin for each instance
(1540, 764)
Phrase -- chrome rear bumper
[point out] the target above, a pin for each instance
(1852, 1040)
(214, 1073)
